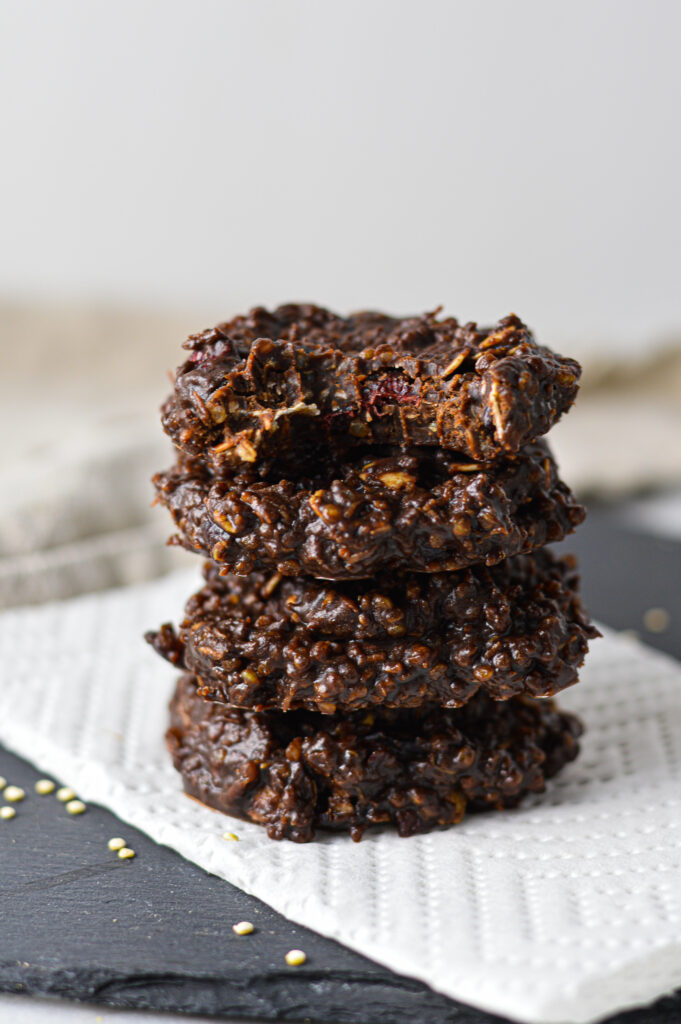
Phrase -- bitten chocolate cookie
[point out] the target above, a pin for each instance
(354, 514)
(515, 628)
(263, 380)
(415, 770)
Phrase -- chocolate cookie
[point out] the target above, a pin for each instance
(264, 380)
(515, 628)
(416, 770)
(354, 514)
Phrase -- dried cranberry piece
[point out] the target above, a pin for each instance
(392, 389)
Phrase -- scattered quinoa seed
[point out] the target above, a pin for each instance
(125, 853)
(7, 812)
(65, 794)
(44, 787)
(656, 620)
(3, 782)
(14, 794)
(243, 928)
(75, 807)
(231, 836)
(116, 844)
(295, 957)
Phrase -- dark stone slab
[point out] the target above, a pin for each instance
(156, 932)
(625, 573)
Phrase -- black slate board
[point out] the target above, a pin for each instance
(155, 932)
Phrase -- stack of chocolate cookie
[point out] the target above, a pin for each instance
(381, 623)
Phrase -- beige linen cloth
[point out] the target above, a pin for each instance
(79, 396)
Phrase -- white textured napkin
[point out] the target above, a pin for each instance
(564, 910)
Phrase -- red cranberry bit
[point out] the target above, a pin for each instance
(391, 389)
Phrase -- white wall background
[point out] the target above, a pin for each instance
(210, 154)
